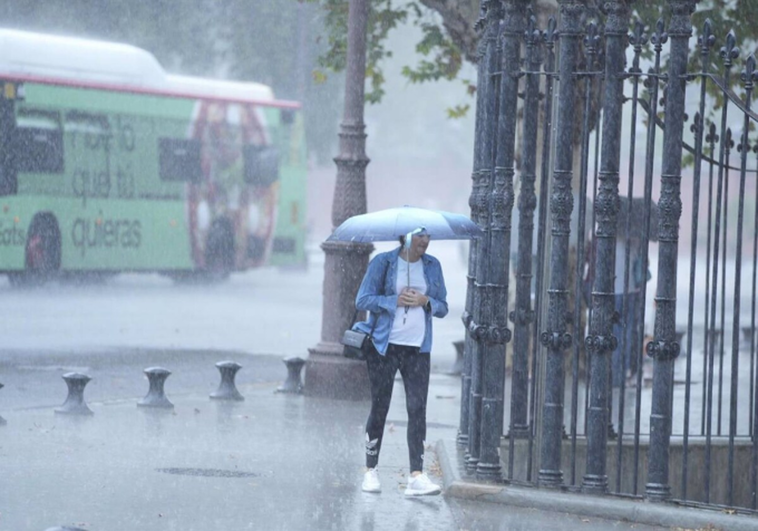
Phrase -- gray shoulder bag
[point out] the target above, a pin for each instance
(357, 344)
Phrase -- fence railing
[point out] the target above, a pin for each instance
(611, 389)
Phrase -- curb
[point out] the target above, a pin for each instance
(605, 507)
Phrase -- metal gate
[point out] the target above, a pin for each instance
(633, 174)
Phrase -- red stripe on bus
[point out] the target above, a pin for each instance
(282, 104)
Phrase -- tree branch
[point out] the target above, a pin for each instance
(458, 18)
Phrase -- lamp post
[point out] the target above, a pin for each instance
(327, 372)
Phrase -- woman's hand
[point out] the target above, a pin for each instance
(412, 298)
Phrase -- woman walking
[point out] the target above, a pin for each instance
(402, 289)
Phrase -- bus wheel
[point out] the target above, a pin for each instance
(43, 250)
(219, 250)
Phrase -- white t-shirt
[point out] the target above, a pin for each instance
(409, 327)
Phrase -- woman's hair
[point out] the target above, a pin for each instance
(402, 237)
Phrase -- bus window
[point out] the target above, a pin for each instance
(38, 141)
(89, 129)
(179, 159)
(261, 165)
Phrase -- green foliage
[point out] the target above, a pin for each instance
(459, 111)
(725, 16)
(383, 17)
(446, 57)
(442, 58)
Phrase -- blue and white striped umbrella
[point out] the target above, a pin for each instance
(389, 224)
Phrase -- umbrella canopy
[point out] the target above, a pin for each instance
(389, 224)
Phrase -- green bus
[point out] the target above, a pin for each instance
(109, 164)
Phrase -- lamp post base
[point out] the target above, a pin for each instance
(330, 375)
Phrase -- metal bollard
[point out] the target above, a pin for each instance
(155, 396)
(293, 383)
(226, 389)
(3, 422)
(75, 404)
(457, 368)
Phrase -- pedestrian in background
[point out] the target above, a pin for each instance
(402, 290)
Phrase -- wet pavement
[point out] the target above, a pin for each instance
(271, 462)
(274, 461)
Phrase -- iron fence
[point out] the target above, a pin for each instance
(603, 393)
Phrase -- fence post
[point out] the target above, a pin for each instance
(664, 348)
(601, 342)
(523, 316)
(476, 216)
(498, 259)
(555, 338)
(481, 196)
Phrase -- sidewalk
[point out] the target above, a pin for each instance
(272, 462)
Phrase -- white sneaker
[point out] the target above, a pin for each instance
(421, 485)
(371, 481)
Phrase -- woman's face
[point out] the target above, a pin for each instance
(419, 244)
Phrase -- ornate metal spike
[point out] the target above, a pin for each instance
(707, 39)
(659, 36)
(532, 35)
(730, 51)
(550, 35)
(712, 135)
(591, 39)
(638, 38)
(729, 142)
(749, 74)
(696, 123)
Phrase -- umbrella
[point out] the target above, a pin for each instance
(389, 224)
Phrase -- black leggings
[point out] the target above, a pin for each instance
(414, 368)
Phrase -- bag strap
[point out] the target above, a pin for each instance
(355, 315)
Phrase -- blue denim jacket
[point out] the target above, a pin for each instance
(382, 301)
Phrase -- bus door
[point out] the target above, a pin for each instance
(8, 179)
(31, 142)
